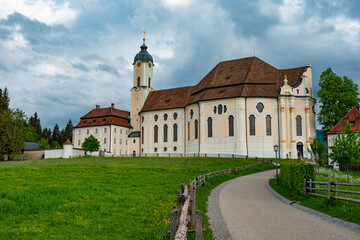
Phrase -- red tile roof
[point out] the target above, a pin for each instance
(67, 142)
(352, 116)
(105, 116)
(247, 77)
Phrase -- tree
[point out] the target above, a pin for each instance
(318, 151)
(337, 96)
(69, 131)
(34, 121)
(346, 148)
(12, 134)
(43, 143)
(56, 133)
(55, 144)
(47, 133)
(4, 99)
(91, 144)
(30, 134)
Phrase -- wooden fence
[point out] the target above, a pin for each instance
(186, 219)
(309, 188)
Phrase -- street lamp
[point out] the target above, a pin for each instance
(276, 149)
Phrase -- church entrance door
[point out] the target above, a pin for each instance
(300, 149)
(134, 153)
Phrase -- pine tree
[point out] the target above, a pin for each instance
(4, 99)
(56, 134)
(34, 121)
(69, 130)
(46, 133)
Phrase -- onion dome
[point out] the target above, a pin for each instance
(143, 55)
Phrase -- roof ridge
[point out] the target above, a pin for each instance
(343, 118)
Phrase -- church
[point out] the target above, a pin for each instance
(241, 108)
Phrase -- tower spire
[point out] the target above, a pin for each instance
(144, 35)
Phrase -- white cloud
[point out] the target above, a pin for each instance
(178, 4)
(45, 11)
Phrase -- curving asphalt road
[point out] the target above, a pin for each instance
(244, 209)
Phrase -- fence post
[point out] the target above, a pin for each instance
(178, 200)
(199, 234)
(193, 208)
(305, 186)
(174, 223)
(336, 184)
(311, 185)
(329, 189)
(218, 154)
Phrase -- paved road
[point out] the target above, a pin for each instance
(249, 211)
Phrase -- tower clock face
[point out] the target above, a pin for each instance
(149, 65)
(139, 64)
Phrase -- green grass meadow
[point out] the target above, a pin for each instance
(99, 198)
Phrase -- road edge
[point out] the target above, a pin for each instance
(339, 222)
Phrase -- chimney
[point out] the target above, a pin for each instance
(113, 105)
(97, 106)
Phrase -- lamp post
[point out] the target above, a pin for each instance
(276, 149)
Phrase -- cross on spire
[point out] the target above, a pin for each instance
(144, 34)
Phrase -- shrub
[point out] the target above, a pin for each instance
(292, 175)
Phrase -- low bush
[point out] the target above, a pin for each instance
(293, 173)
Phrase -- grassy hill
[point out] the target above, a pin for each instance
(95, 198)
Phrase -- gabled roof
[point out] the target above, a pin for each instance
(352, 116)
(104, 112)
(246, 77)
(105, 116)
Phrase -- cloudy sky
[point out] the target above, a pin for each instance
(61, 58)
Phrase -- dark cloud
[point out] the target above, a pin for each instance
(107, 68)
(80, 66)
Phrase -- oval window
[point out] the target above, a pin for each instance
(260, 107)
(220, 109)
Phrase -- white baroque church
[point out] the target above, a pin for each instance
(242, 107)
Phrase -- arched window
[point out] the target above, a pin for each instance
(149, 82)
(298, 126)
(268, 125)
(156, 131)
(220, 108)
(214, 109)
(142, 135)
(175, 130)
(252, 124)
(188, 131)
(138, 82)
(231, 126)
(210, 127)
(165, 117)
(165, 133)
(175, 116)
(196, 128)
(191, 113)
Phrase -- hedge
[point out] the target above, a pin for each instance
(292, 174)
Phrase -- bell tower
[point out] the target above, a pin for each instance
(142, 83)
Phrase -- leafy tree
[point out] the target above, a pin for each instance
(337, 96)
(346, 148)
(91, 144)
(43, 143)
(318, 151)
(68, 131)
(34, 121)
(55, 144)
(56, 133)
(30, 134)
(12, 134)
(4, 99)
